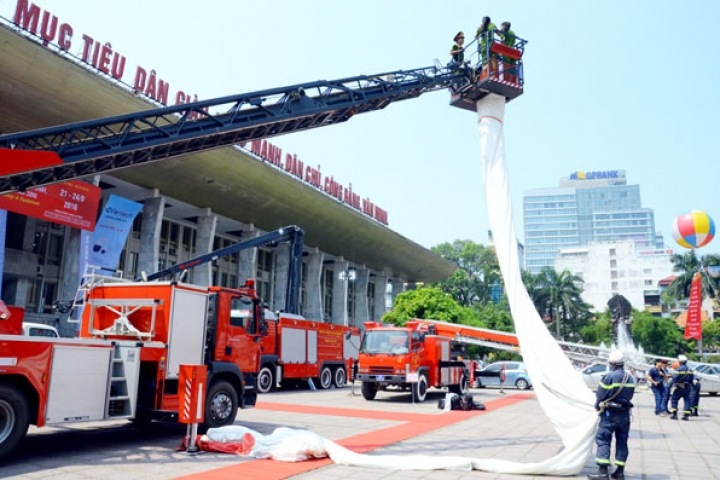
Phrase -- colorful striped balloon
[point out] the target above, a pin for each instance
(693, 229)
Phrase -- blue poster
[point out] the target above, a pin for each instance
(3, 229)
(111, 232)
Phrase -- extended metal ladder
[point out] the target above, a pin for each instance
(89, 280)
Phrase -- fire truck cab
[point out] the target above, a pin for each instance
(409, 357)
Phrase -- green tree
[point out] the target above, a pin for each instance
(495, 316)
(711, 333)
(478, 270)
(598, 330)
(428, 303)
(660, 336)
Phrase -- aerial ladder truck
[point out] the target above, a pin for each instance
(134, 336)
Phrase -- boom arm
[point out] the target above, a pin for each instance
(293, 234)
(107, 144)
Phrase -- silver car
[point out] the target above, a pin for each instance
(592, 374)
(709, 376)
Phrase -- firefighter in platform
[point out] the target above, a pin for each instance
(682, 384)
(614, 402)
(509, 64)
(484, 37)
(507, 35)
(458, 57)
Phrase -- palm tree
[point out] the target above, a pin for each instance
(557, 295)
(686, 265)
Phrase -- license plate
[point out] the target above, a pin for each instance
(380, 378)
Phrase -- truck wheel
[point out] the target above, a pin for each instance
(14, 418)
(369, 390)
(266, 380)
(340, 378)
(221, 405)
(326, 377)
(420, 389)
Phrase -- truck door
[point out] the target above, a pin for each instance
(243, 340)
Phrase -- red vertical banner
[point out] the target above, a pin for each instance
(693, 327)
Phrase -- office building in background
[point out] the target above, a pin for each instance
(585, 207)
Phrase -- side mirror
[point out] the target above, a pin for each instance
(263, 328)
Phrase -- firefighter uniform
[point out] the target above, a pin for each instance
(484, 37)
(695, 397)
(682, 385)
(613, 401)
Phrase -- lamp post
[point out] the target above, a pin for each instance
(348, 275)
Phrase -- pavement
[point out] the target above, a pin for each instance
(513, 427)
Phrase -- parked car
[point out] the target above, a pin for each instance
(592, 374)
(39, 330)
(515, 375)
(709, 377)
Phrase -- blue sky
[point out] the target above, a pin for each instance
(609, 86)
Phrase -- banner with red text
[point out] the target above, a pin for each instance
(693, 327)
(72, 203)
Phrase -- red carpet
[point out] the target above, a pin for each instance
(415, 424)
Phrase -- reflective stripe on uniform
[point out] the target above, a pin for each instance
(617, 385)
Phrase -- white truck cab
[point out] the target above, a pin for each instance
(39, 330)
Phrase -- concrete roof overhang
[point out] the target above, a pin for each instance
(41, 88)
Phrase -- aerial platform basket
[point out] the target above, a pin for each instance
(499, 71)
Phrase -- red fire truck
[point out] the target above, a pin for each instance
(299, 349)
(408, 357)
(420, 355)
(134, 336)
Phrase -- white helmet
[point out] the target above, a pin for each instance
(616, 356)
(682, 358)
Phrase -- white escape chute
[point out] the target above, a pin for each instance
(562, 394)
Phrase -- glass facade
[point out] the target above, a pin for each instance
(565, 217)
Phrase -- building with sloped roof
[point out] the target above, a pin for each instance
(353, 264)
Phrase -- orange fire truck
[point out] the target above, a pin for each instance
(420, 355)
(134, 336)
(299, 349)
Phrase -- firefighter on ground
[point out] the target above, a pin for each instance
(695, 396)
(682, 383)
(614, 395)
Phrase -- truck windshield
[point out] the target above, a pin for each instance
(385, 341)
(241, 313)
